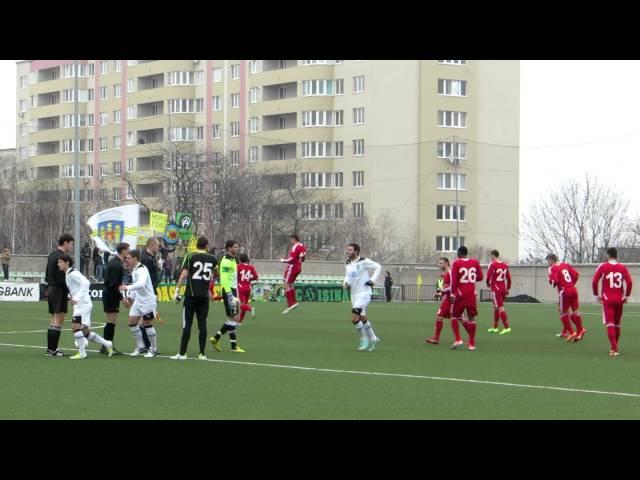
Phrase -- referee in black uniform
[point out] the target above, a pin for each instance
(111, 297)
(57, 293)
(198, 269)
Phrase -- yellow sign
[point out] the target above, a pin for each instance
(419, 283)
(193, 243)
(143, 234)
(419, 280)
(158, 221)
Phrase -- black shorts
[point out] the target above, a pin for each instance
(57, 299)
(198, 306)
(230, 310)
(110, 302)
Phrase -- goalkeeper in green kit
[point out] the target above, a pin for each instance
(229, 283)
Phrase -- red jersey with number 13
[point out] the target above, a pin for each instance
(612, 275)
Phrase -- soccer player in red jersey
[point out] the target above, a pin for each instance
(465, 272)
(246, 274)
(294, 268)
(499, 281)
(564, 277)
(444, 311)
(614, 295)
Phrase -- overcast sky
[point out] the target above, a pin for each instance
(576, 108)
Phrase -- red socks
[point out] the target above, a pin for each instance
(439, 324)
(456, 329)
(291, 296)
(503, 317)
(496, 318)
(613, 336)
(577, 320)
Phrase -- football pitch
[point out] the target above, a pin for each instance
(305, 365)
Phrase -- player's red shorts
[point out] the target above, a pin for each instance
(498, 298)
(291, 273)
(568, 299)
(612, 313)
(464, 303)
(244, 294)
(445, 308)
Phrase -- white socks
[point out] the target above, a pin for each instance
(137, 334)
(368, 329)
(79, 340)
(151, 334)
(361, 330)
(94, 337)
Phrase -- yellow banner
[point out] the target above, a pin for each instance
(158, 221)
(193, 243)
(143, 234)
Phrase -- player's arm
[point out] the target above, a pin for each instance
(181, 279)
(345, 282)
(489, 275)
(574, 274)
(628, 283)
(140, 283)
(255, 274)
(480, 276)
(595, 282)
(454, 280)
(290, 258)
(377, 269)
(508, 279)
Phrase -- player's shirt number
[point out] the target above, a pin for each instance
(468, 275)
(615, 279)
(203, 271)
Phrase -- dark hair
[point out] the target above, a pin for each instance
(230, 243)
(388, 273)
(66, 237)
(612, 252)
(244, 258)
(122, 246)
(462, 251)
(552, 256)
(202, 243)
(135, 253)
(495, 253)
(355, 246)
(295, 237)
(444, 259)
(66, 258)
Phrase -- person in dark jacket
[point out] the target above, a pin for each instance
(148, 259)
(388, 281)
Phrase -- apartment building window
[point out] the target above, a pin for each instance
(89, 144)
(253, 154)
(117, 90)
(131, 112)
(131, 165)
(338, 149)
(282, 153)
(131, 138)
(358, 210)
(448, 118)
(253, 95)
(253, 66)
(116, 194)
(23, 153)
(67, 146)
(453, 62)
(216, 130)
(282, 93)
(358, 147)
(358, 116)
(23, 129)
(116, 168)
(116, 116)
(217, 103)
(358, 178)
(68, 71)
(104, 170)
(89, 196)
(322, 180)
(253, 124)
(90, 95)
(104, 67)
(235, 71)
(23, 81)
(103, 93)
(103, 144)
(338, 120)
(181, 134)
(449, 181)
(117, 65)
(317, 118)
(316, 62)
(339, 86)
(23, 106)
(32, 100)
(454, 88)
(318, 87)
(452, 149)
(235, 158)
(89, 120)
(235, 129)
(104, 118)
(450, 212)
(184, 78)
(131, 85)
(217, 74)
(185, 105)
(322, 149)
(116, 142)
(33, 78)
(319, 211)
(235, 100)
(131, 63)
(358, 84)
(448, 244)
(33, 149)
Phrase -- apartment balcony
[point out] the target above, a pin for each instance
(280, 181)
(149, 82)
(149, 190)
(268, 65)
(279, 91)
(151, 109)
(47, 173)
(49, 98)
(48, 123)
(283, 151)
(48, 74)
(154, 135)
(146, 164)
(48, 148)
(279, 121)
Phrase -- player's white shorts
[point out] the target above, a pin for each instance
(84, 312)
(139, 310)
(361, 301)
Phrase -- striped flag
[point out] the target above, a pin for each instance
(114, 225)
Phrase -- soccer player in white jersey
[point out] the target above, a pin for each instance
(359, 280)
(78, 287)
(144, 305)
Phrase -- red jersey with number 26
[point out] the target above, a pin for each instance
(465, 272)
(563, 276)
(246, 274)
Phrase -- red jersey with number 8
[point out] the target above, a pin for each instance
(563, 276)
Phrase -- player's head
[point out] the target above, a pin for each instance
(353, 250)
(202, 243)
(294, 239)
(462, 252)
(232, 247)
(122, 249)
(133, 258)
(65, 243)
(551, 259)
(152, 246)
(65, 262)
(244, 258)
(495, 254)
(388, 274)
(612, 253)
(443, 263)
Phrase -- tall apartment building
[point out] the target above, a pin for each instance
(369, 137)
